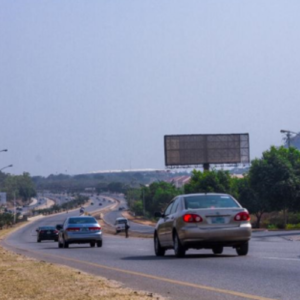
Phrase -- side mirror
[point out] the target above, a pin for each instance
(159, 215)
(59, 226)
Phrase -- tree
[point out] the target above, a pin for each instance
(242, 190)
(158, 195)
(209, 182)
(116, 187)
(275, 178)
(20, 186)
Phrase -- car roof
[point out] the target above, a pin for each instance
(204, 194)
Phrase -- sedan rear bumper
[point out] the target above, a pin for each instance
(83, 237)
(197, 237)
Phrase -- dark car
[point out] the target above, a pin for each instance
(47, 233)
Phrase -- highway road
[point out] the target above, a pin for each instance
(110, 217)
(270, 271)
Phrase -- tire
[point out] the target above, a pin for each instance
(65, 244)
(60, 245)
(39, 240)
(242, 250)
(99, 244)
(159, 250)
(217, 249)
(178, 248)
(92, 244)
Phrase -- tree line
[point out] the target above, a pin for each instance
(17, 186)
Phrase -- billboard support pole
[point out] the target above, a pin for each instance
(206, 166)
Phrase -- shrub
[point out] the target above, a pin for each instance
(292, 226)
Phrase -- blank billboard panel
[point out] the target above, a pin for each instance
(184, 150)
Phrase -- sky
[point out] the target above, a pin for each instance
(95, 85)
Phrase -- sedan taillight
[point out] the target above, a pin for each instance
(192, 218)
(73, 229)
(242, 216)
(94, 228)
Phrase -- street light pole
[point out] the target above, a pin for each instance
(288, 136)
(9, 166)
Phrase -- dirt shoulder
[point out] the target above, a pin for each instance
(28, 279)
(139, 220)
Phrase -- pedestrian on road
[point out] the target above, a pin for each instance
(126, 229)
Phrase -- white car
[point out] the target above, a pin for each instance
(120, 224)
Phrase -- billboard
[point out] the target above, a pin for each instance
(198, 149)
(2, 198)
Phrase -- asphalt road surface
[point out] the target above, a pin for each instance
(270, 271)
(111, 217)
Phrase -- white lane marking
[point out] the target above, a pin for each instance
(277, 258)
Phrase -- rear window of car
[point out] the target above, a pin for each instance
(209, 201)
(87, 220)
(121, 221)
(47, 228)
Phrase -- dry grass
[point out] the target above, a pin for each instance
(22, 278)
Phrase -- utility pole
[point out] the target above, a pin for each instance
(144, 204)
(15, 211)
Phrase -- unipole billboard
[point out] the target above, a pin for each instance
(206, 149)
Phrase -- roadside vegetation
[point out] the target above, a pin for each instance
(19, 187)
(270, 190)
(77, 202)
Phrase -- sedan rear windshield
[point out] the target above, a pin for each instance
(87, 220)
(47, 228)
(121, 221)
(209, 201)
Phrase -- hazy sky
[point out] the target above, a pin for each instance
(95, 85)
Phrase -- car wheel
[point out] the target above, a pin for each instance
(178, 248)
(99, 244)
(39, 240)
(92, 244)
(60, 245)
(159, 251)
(242, 249)
(217, 249)
(65, 244)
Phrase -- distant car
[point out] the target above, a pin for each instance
(47, 233)
(100, 204)
(202, 221)
(92, 203)
(80, 230)
(120, 224)
(81, 210)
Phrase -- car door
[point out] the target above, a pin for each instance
(162, 229)
(169, 223)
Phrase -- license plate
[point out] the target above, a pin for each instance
(218, 220)
(48, 232)
(84, 229)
